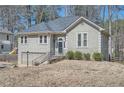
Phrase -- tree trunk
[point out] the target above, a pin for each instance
(110, 38)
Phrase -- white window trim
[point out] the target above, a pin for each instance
(77, 40)
(39, 39)
(60, 38)
(63, 40)
(82, 39)
(46, 40)
(7, 37)
(24, 40)
(42, 39)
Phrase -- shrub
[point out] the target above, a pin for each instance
(78, 55)
(70, 55)
(86, 56)
(97, 56)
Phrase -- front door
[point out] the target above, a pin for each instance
(60, 47)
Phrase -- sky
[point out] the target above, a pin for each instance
(119, 13)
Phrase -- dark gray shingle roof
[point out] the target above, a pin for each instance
(56, 25)
(39, 27)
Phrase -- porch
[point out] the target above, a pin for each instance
(58, 45)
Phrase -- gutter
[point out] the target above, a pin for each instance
(37, 33)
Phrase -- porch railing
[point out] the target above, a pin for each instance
(41, 59)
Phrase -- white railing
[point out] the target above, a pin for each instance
(41, 59)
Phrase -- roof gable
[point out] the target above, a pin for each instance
(85, 20)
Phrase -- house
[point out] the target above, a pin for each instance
(6, 39)
(59, 36)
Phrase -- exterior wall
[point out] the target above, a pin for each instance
(6, 43)
(97, 42)
(104, 46)
(3, 36)
(93, 39)
(31, 57)
(33, 45)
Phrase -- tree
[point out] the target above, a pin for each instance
(110, 35)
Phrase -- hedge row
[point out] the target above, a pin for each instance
(85, 56)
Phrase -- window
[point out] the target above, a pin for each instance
(82, 39)
(79, 40)
(45, 39)
(2, 46)
(40, 39)
(60, 39)
(85, 39)
(25, 39)
(7, 37)
(21, 39)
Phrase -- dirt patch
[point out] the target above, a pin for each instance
(65, 73)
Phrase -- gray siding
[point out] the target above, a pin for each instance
(7, 44)
(3, 36)
(33, 45)
(93, 39)
(31, 57)
(97, 42)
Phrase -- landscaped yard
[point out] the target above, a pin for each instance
(65, 73)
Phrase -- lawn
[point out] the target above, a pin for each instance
(64, 74)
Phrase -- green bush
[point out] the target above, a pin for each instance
(86, 56)
(70, 55)
(97, 56)
(78, 55)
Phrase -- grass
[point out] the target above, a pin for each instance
(64, 74)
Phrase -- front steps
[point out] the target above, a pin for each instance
(46, 59)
